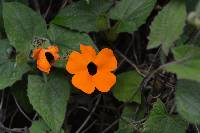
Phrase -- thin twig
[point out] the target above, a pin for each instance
(12, 118)
(172, 109)
(83, 108)
(7, 101)
(14, 130)
(157, 53)
(2, 100)
(136, 122)
(134, 48)
(89, 116)
(22, 110)
(64, 3)
(90, 126)
(197, 128)
(128, 48)
(48, 9)
(35, 116)
(110, 126)
(130, 62)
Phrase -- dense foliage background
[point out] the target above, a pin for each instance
(156, 43)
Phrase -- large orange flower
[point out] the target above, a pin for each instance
(92, 71)
(46, 57)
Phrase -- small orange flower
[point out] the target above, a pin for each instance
(45, 57)
(91, 70)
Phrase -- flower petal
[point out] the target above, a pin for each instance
(76, 63)
(36, 53)
(42, 62)
(104, 80)
(54, 51)
(106, 60)
(88, 52)
(83, 81)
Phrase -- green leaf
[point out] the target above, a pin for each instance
(168, 25)
(50, 98)
(127, 87)
(82, 16)
(187, 62)
(127, 116)
(161, 122)
(1, 7)
(21, 1)
(68, 39)
(10, 70)
(131, 14)
(39, 127)
(187, 100)
(22, 24)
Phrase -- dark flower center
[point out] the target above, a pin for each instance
(50, 57)
(92, 68)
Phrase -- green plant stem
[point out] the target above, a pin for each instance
(112, 34)
(45, 77)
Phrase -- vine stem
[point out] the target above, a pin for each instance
(14, 130)
(45, 77)
(2, 100)
(89, 116)
(48, 9)
(111, 125)
(130, 62)
(90, 126)
(22, 110)
(197, 128)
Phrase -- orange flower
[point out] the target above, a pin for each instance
(45, 57)
(91, 70)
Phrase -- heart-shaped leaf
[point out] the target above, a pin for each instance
(187, 100)
(131, 14)
(50, 98)
(168, 25)
(22, 24)
(161, 122)
(127, 87)
(82, 16)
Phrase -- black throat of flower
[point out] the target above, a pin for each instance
(92, 68)
(49, 56)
